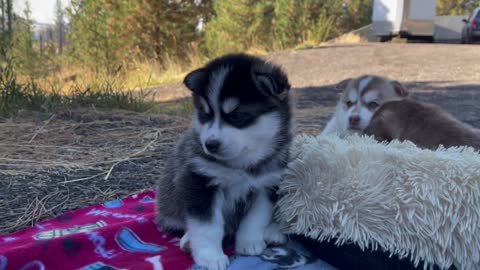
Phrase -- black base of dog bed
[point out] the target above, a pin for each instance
(351, 257)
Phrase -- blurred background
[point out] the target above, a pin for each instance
(65, 47)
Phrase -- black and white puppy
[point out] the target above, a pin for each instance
(221, 180)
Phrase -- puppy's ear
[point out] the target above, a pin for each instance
(400, 89)
(343, 84)
(271, 81)
(195, 78)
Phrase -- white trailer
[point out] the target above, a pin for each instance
(412, 19)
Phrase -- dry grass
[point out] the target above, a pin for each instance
(147, 74)
(140, 74)
(309, 44)
(50, 164)
(349, 38)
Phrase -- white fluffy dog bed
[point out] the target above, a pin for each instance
(414, 203)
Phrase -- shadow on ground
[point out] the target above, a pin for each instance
(315, 104)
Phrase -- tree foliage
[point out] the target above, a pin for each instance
(269, 24)
(107, 36)
(26, 58)
(355, 14)
(167, 29)
(456, 7)
(94, 38)
(298, 21)
(238, 25)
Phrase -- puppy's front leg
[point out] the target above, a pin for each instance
(252, 232)
(331, 126)
(205, 238)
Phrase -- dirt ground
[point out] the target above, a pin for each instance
(50, 164)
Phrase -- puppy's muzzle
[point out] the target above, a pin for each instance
(354, 121)
(213, 146)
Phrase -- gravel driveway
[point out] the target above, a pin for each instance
(448, 75)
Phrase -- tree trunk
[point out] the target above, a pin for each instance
(41, 44)
(2, 10)
(60, 25)
(60, 39)
(10, 16)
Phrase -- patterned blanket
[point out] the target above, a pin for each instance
(121, 234)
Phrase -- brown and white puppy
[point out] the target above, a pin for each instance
(360, 99)
(426, 125)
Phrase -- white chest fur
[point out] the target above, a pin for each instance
(237, 183)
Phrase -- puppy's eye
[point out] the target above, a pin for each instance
(238, 118)
(204, 111)
(349, 103)
(204, 117)
(372, 105)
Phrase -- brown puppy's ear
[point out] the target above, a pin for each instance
(343, 84)
(400, 89)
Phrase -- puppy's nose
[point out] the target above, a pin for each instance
(354, 120)
(212, 145)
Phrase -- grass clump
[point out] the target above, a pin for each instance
(350, 38)
(16, 95)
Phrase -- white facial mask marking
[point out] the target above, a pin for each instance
(217, 79)
(364, 82)
(365, 117)
(243, 146)
(371, 95)
(211, 130)
(204, 104)
(230, 104)
(352, 96)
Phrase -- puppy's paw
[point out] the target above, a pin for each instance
(273, 235)
(211, 260)
(249, 245)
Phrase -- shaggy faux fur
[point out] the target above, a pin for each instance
(414, 203)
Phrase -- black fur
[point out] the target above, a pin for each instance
(198, 195)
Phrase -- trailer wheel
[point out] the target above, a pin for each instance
(385, 38)
(420, 39)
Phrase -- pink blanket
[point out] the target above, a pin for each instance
(117, 235)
